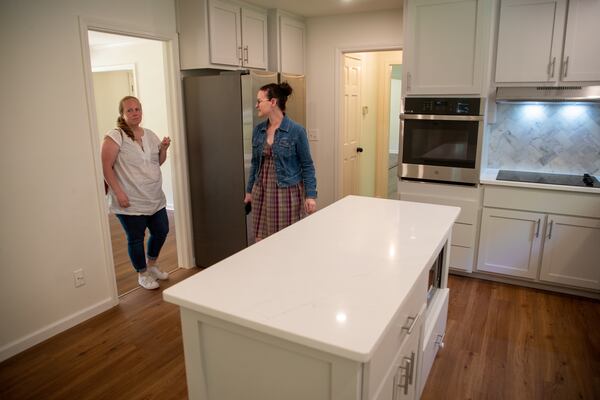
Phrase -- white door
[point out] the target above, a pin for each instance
(530, 40)
(581, 57)
(445, 40)
(510, 242)
(572, 252)
(292, 44)
(225, 33)
(351, 125)
(254, 37)
(109, 88)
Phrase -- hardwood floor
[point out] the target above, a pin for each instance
(124, 271)
(133, 351)
(509, 342)
(502, 342)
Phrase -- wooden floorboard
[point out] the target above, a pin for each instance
(509, 342)
(502, 342)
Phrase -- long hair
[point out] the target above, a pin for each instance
(279, 92)
(121, 121)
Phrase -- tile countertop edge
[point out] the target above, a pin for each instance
(186, 294)
(488, 177)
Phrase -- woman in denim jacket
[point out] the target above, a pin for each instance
(282, 186)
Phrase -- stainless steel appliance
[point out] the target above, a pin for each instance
(548, 94)
(441, 139)
(220, 115)
(584, 180)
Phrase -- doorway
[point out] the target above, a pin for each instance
(121, 66)
(369, 123)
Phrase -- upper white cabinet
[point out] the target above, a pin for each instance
(581, 55)
(287, 44)
(446, 46)
(548, 41)
(221, 34)
(525, 233)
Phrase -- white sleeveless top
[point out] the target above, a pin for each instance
(138, 173)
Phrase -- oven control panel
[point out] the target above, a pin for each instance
(443, 106)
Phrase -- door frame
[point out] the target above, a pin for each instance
(174, 102)
(338, 108)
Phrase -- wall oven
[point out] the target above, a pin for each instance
(440, 139)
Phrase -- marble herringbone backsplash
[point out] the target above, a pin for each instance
(562, 139)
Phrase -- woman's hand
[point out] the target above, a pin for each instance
(123, 199)
(310, 206)
(165, 143)
(248, 198)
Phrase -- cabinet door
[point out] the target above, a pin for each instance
(225, 33)
(572, 252)
(444, 46)
(510, 242)
(291, 42)
(530, 36)
(254, 36)
(581, 57)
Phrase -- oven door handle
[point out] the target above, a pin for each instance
(442, 117)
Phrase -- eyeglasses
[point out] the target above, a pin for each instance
(258, 101)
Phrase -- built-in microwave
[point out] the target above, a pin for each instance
(440, 139)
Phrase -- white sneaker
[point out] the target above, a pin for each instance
(147, 281)
(157, 273)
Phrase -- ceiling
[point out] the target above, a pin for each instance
(314, 8)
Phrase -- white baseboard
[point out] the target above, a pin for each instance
(55, 328)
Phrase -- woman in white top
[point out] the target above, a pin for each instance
(131, 160)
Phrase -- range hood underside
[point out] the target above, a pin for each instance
(549, 94)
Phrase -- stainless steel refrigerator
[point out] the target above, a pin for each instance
(220, 115)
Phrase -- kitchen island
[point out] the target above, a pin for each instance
(329, 308)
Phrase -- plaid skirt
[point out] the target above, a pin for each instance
(273, 207)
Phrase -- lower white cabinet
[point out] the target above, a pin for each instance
(546, 246)
(466, 228)
(510, 242)
(572, 252)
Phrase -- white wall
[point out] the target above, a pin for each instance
(51, 216)
(326, 36)
(147, 56)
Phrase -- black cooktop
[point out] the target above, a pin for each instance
(584, 180)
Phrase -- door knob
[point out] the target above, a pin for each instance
(359, 149)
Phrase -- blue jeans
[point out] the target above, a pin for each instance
(135, 229)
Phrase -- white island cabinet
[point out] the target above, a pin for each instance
(330, 308)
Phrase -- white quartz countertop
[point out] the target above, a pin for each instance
(332, 281)
(488, 177)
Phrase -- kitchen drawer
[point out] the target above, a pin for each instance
(463, 235)
(542, 200)
(462, 258)
(433, 334)
(468, 208)
(409, 314)
(406, 357)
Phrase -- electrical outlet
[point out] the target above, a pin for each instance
(78, 277)
(313, 134)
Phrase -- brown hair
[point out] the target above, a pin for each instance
(279, 92)
(121, 121)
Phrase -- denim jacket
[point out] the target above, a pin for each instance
(291, 156)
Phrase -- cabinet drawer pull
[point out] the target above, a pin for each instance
(537, 230)
(239, 54)
(565, 67)
(410, 323)
(553, 63)
(245, 54)
(439, 341)
(550, 230)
